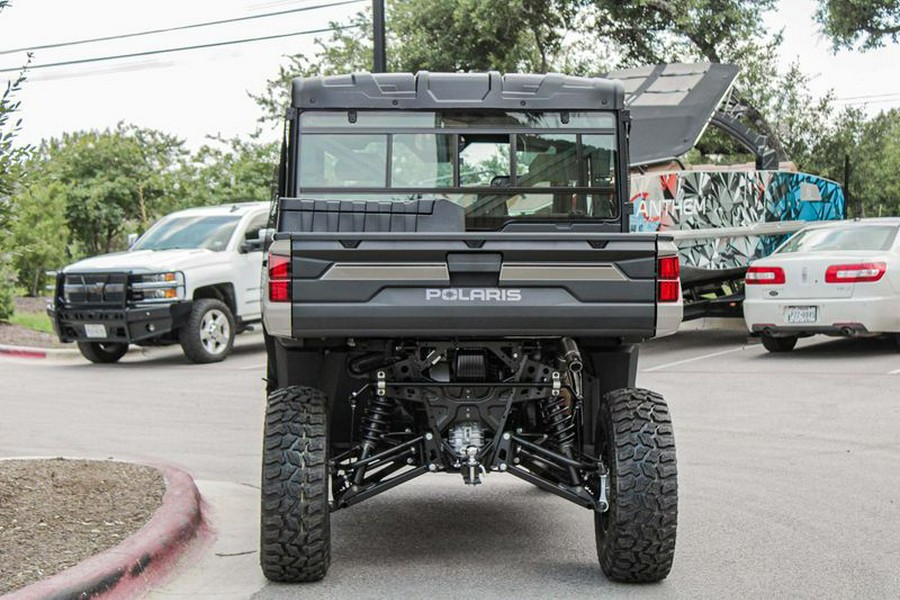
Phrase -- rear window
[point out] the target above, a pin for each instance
(865, 237)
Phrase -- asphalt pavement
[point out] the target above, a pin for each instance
(789, 477)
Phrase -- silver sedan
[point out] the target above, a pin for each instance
(840, 279)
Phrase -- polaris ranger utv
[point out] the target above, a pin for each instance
(452, 288)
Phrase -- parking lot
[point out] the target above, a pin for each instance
(788, 477)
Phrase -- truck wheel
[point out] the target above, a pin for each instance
(102, 352)
(636, 535)
(208, 334)
(779, 344)
(295, 529)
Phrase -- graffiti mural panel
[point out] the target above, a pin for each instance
(695, 200)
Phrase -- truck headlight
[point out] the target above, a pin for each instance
(158, 287)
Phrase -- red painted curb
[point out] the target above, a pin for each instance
(127, 570)
(23, 352)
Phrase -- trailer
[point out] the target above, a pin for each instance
(720, 217)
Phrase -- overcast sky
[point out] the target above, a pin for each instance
(203, 92)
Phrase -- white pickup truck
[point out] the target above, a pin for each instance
(192, 279)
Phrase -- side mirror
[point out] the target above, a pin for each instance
(132, 238)
(257, 239)
(265, 236)
(250, 246)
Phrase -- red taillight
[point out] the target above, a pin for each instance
(764, 276)
(668, 287)
(669, 291)
(279, 278)
(669, 268)
(855, 273)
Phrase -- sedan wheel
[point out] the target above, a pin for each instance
(779, 344)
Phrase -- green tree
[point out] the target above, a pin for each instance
(347, 49)
(479, 35)
(838, 139)
(452, 35)
(865, 24)
(40, 234)
(733, 31)
(527, 35)
(564, 35)
(871, 149)
(876, 165)
(231, 170)
(114, 180)
(11, 157)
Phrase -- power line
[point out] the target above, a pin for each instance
(179, 49)
(178, 28)
(866, 97)
(866, 102)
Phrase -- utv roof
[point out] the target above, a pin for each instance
(424, 90)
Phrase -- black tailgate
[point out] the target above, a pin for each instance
(470, 284)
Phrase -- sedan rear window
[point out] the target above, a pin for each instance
(866, 237)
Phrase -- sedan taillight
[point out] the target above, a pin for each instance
(279, 278)
(855, 273)
(764, 276)
(668, 286)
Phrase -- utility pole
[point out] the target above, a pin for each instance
(380, 65)
(847, 199)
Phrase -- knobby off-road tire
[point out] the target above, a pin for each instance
(102, 352)
(295, 543)
(208, 335)
(779, 344)
(636, 536)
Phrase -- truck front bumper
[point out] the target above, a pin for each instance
(133, 324)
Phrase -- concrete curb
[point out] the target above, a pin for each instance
(129, 569)
(718, 323)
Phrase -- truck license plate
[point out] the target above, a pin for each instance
(95, 330)
(800, 314)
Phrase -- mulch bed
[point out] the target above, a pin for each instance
(16, 335)
(55, 513)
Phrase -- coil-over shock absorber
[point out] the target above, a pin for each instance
(559, 417)
(375, 423)
(559, 421)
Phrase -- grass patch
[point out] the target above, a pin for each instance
(35, 321)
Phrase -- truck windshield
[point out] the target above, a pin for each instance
(211, 232)
(498, 166)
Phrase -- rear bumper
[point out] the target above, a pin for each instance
(838, 330)
(838, 316)
(387, 319)
(125, 325)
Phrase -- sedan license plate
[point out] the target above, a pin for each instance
(95, 330)
(800, 314)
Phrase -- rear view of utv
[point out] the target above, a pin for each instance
(452, 291)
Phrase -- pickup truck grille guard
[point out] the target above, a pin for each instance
(96, 289)
(110, 299)
(548, 389)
